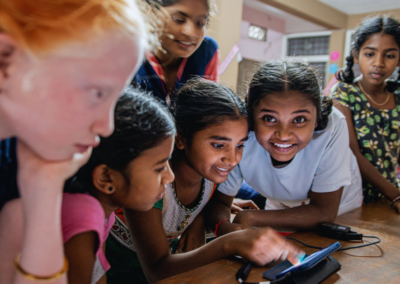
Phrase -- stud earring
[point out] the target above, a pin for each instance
(110, 188)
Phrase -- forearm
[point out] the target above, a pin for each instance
(174, 264)
(219, 210)
(374, 177)
(305, 217)
(42, 251)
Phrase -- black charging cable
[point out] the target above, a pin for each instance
(342, 249)
(242, 273)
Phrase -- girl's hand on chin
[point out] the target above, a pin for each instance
(33, 171)
(262, 246)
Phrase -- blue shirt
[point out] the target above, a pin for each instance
(8, 171)
(203, 62)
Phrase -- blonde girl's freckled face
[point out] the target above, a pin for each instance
(60, 104)
(216, 150)
(148, 175)
(187, 25)
(284, 123)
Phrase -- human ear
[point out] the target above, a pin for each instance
(104, 179)
(7, 54)
(179, 141)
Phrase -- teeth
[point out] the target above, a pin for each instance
(221, 169)
(283, 145)
(185, 42)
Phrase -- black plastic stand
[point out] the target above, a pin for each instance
(313, 275)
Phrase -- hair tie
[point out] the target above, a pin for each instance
(284, 66)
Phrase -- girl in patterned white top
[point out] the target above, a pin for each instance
(212, 127)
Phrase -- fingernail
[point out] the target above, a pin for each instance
(301, 256)
(284, 255)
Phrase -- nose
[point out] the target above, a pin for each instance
(230, 157)
(188, 29)
(104, 124)
(283, 132)
(169, 176)
(378, 62)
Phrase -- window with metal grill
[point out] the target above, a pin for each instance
(304, 46)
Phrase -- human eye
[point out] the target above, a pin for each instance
(159, 170)
(177, 19)
(217, 146)
(269, 118)
(201, 24)
(96, 94)
(390, 56)
(299, 120)
(369, 54)
(240, 146)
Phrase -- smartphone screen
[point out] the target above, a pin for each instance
(311, 259)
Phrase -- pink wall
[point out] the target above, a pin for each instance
(261, 50)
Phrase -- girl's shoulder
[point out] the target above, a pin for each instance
(81, 213)
(348, 95)
(206, 50)
(343, 87)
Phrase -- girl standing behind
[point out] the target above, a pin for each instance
(186, 53)
(212, 127)
(129, 168)
(372, 106)
(298, 155)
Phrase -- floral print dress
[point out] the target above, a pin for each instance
(377, 133)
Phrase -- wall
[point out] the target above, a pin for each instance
(313, 11)
(261, 50)
(337, 43)
(354, 20)
(224, 27)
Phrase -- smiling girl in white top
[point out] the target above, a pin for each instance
(297, 155)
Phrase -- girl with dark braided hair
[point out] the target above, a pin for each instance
(371, 104)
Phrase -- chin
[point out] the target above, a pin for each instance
(54, 155)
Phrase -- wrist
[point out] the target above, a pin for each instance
(217, 227)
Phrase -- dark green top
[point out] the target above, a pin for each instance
(377, 133)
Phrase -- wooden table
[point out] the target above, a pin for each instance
(373, 264)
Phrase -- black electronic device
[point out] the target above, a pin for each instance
(338, 232)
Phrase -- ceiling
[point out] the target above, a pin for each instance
(293, 24)
(352, 7)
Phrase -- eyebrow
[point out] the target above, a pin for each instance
(375, 49)
(164, 160)
(216, 137)
(187, 16)
(297, 111)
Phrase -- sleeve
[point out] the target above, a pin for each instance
(232, 185)
(333, 170)
(81, 213)
(211, 71)
(340, 93)
(159, 204)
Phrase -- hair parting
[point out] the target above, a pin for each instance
(285, 76)
(370, 26)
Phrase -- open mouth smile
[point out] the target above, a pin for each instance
(282, 147)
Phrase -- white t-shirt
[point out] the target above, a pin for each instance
(324, 165)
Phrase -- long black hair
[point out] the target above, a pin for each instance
(369, 27)
(285, 76)
(202, 103)
(141, 123)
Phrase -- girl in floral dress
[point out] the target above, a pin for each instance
(371, 105)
